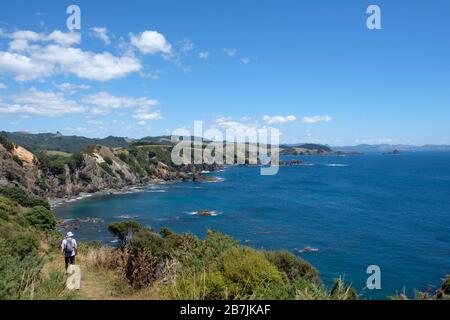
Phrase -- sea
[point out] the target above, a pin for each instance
(389, 211)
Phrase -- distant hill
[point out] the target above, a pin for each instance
(305, 149)
(163, 140)
(71, 144)
(60, 142)
(387, 148)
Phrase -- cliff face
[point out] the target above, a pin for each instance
(98, 168)
(92, 175)
(18, 167)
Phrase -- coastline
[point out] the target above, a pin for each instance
(56, 202)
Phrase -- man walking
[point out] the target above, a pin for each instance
(69, 249)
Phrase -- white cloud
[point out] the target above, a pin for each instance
(186, 45)
(24, 68)
(3, 86)
(64, 39)
(36, 102)
(246, 60)
(87, 65)
(277, 120)
(242, 130)
(70, 87)
(46, 61)
(102, 34)
(177, 55)
(230, 52)
(151, 42)
(104, 102)
(18, 45)
(316, 119)
(237, 128)
(20, 39)
(155, 75)
(203, 55)
(39, 60)
(145, 115)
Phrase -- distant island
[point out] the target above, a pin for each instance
(384, 148)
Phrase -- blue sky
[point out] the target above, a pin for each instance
(312, 69)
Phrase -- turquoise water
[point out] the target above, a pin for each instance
(391, 211)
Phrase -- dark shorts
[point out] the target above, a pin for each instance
(69, 260)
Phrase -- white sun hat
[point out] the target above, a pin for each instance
(69, 234)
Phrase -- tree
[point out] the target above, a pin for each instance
(121, 229)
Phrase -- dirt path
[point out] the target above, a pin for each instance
(95, 284)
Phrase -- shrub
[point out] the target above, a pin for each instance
(75, 161)
(292, 266)
(238, 273)
(108, 160)
(150, 170)
(41, 218)
(57, 168)
(25, 245)
(133, 151)
(246, 270)
(17, 275)
(17, 160)
(140, 267)
(145, 239)
(91, 149)
(106, 168)
(207, 285)
(62, 178)
(6, 143)
(124, 157)
(13, 176)
(7, 208)
(22, 198)
(85, 178)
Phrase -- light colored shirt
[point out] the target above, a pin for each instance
(63, 245)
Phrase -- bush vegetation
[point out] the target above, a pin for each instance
(23, 198)
(186, 267)
(108, 160)
(40, 217)
(85, 178)
(6, 143)
(107, 169)
(23, 231)
(17, 160)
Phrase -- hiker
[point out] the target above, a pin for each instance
(69, 249)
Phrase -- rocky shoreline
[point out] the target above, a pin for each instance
(199, 178)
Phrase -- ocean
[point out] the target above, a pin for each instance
(384, 210)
